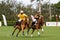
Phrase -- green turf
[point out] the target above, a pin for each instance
(50, 33)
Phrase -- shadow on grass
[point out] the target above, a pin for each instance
(33, 36)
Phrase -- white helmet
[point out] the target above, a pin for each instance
(21, 11)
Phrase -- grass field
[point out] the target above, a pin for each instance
(50, 33)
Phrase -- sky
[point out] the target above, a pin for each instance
(26, 2)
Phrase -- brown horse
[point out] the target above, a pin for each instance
(21, 26)
(37, 26)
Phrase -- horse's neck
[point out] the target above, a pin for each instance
(23, 22)
(39, 20)
(40, 17)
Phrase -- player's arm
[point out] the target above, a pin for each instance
(18, 15)
(25, 15)
(35, 16)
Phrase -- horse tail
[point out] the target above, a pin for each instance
(17, 23)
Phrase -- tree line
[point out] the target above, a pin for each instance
(11, 8)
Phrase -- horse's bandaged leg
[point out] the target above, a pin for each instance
(38, 33)
(42, 30)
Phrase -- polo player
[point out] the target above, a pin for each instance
(21, 17)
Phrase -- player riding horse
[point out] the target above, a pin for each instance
(21, 26)
(36, 24)
(22, 23)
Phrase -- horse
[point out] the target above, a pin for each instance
(21, 26)
(37, 26)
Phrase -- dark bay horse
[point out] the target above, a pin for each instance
(37, 26)
(21, 26)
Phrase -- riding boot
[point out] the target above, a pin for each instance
(33, 23)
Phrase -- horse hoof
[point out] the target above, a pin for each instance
(42, 30)
(16, 35)
(22, 34)
(12, 34)
(38, 34)
(26, 35)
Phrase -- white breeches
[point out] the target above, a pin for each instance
(19, 20)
